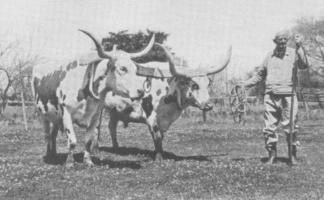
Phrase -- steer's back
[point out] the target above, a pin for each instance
(45, 82)
(54, 84)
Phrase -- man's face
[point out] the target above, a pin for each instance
(281, 43)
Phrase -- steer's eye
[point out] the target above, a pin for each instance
(123, 69)
(195, 87)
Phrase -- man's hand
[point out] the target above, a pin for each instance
(299, 38)
(319, 40)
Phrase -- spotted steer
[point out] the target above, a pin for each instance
(75, 93)
(167, 95)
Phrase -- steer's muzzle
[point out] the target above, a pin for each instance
(140, 94)
(206, 106)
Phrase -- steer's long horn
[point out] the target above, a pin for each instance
(91, 81)
(101, 52)
(172, 68)
(223, 64)
(144, 51)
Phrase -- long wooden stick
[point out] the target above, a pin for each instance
(293, 93)
(292, 124)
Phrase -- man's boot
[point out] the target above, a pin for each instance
(294, 160)
(272, 149)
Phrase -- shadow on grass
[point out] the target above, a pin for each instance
(264, 160)
(120, 164)
(125, 151)
(61, 158)
(58, 159)
(277, 160)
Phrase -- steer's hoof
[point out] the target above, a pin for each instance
(69, 165)
(115, 146)
(87, 159)
(294, 161)
(158, 157)
(89, 163)
(49, 158)
(271, 160)
(96, 149)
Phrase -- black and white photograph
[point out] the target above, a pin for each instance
(162, 99)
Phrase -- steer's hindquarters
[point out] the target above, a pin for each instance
(54, 115)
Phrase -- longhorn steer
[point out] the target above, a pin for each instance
(75, 94)
(165, 100)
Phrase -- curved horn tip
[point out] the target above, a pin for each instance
(101, 52)
(229, 53)
(230, 49)
(159, 44)
(83, 31)
(224, 64)
(145, 50)
(153, 37)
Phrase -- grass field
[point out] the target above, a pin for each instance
(212, 160)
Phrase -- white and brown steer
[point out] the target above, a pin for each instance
(167, 95)
(75, 93)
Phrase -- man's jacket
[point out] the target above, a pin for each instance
(278, 72)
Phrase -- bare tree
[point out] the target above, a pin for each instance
(19, 60)
(23, 63)
(4, 86)
(6, 48)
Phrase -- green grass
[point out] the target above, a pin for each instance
(213, 160)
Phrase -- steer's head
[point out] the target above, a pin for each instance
(191, 92)
(117, 71)
(190, 86)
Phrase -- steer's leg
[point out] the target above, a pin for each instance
(99, 125)
(113, 121)
(69, 130)
(47, 130)
(53, 136)
(91, 137)
(157, 137)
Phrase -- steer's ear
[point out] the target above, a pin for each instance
(84, 92)
(91, 81)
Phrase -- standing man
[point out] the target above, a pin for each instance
(278, 72)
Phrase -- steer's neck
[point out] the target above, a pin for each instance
(167, 114)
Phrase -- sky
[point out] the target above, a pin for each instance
(200, 30)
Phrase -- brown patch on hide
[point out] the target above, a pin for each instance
(170, 99)
(84, 92)
(158, 92)
(72, 65)
(147, 105)
(45, 88)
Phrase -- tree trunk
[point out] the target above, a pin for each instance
(306, 109)
(24, 110)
